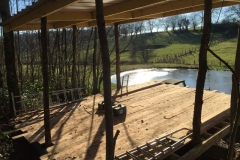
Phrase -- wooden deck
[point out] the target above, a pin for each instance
(153, 110)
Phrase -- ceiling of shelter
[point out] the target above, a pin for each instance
(65, 13)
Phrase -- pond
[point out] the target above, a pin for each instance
(215, 80)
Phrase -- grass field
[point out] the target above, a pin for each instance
(179, 50)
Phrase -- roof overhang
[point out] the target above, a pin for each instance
(66, 13)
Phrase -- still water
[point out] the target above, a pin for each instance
(215, 80)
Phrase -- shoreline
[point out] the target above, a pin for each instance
(124, 68)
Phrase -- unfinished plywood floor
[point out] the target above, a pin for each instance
(78, 129)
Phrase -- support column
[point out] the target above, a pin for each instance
(106, 79)
(234, 107)
(201, 72)
(44, 59)
(12, 80)
(95, 62)
(116, 31)
(234, 97)
(74, 48)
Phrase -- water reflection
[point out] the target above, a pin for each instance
(215, 80)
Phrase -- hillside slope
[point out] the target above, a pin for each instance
(175, 49)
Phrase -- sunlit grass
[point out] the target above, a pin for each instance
(175, 44)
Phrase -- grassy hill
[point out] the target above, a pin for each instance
(175, 49)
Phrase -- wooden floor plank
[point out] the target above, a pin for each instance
(78, 129)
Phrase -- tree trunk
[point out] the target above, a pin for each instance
(99, 72)
(106, 79)
(1, 78)
(117, 56)
(44, 59)
(65, 58)
(202, 72)
(95, 62)
(20, 69)
(85, 60)
(27, 53)
(74, 48)
(39, 53)
(234, 99)
(12, 80)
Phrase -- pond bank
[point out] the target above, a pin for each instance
(215, 79)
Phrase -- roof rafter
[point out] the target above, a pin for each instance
(65, 13)
(156, 11)
(43, 9)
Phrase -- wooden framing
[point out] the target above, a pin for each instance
(44, 60)
(206, 144)
(66, 13)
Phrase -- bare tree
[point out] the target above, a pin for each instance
(150, 24)
(173, 22)
(116, 30)
(201, 73)
(74, 50)
(164, 22)
(194, 19)
(201, 15)
(185, 22)
(179, 22)
(146, 54)
(95, 62)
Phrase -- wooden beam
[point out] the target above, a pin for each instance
(70, 16)
(199, 149)
(66, 24)
(122, 9)
(124, 12)
(123, 18)
(80, 15)
(176, 12)
(33, 27)
(157, 11)
(42, 10)
(169, 7)
(129, 6)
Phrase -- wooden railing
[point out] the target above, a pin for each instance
(35, 101)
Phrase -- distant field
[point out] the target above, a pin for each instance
(179, 49)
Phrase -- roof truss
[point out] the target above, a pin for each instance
(65, 13)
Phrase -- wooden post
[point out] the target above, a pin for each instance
(95, 62)
(12, 80)
(202, 72)
(74, 48)
(65, 57)
(106, 79)
(234, 102)
(44, 59)
(237, 70)
(116, 31)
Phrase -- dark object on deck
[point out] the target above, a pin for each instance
(119, 109)
(101, 105)
(175, 82)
